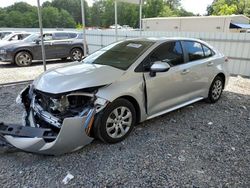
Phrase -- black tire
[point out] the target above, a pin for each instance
(64, 59)
(23, 59)
(76, 54)
(215, 90)
(101, 125)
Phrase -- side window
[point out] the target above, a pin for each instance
(80, 36)
(24, 36)
(61, 36)
(207, 51)
(194, 50)
(47, 37)
(72, 35)
(14, 38)
(170, 52)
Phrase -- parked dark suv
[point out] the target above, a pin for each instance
(57, 45)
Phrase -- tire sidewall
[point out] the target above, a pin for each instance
(210, 94)
(75, 49)
(21, 53)
(100, 126)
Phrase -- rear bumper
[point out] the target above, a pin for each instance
(73, 135)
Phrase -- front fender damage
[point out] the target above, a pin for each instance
(50, 137)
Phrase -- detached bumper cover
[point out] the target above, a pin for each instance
(73, 135)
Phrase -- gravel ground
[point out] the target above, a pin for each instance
(201, 145)
(12, 73)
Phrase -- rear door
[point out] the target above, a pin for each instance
(197, 74)
(61, 44)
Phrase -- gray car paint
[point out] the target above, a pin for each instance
(53, 48)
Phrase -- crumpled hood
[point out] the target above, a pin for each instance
(76, 76)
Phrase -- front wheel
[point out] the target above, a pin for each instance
(215, 90)
(116, 122)
(76, 54)
(23, 59)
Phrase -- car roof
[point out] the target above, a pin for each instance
(18, 33)
(60, 32)
(164, 39)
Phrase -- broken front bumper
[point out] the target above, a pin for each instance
(73, 135)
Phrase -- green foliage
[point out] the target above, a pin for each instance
(23, 15)
(228, 7)
(66, 13)
(73, 7)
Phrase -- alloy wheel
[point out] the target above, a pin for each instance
(217, 89)
(119, 122)
(24, 59)
(77, 55)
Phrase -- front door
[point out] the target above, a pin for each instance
(166, 89)
(48, 46)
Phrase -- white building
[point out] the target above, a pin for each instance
(233, 23)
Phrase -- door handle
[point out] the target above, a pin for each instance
(210, 64)
(185, 71)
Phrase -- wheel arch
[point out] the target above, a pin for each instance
(79, 47)
(223, 77)
(135, 104)
(23, 50)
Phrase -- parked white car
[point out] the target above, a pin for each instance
(113, 26)
(13, 37)
(112, 90)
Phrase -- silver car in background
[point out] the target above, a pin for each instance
(113, 89)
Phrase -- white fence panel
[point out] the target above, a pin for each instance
(236, 46)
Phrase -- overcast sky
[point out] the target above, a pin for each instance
(195, 6)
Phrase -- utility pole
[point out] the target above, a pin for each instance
(41, 33)
(116, 29)
(83, 30)
(140, 19)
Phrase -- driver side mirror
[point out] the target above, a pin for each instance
(37, 41)
(159, 66)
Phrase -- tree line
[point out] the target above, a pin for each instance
(229, 7)
(67, 13)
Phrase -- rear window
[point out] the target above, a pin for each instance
(194, 50)
(207, 51)
(80, 36)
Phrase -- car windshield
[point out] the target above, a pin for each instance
(120, 55)
(32, 38)
(16, 36)
(7, 37)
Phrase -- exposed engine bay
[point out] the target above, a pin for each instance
(54, 123)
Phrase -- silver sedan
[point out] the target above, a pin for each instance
(112, 90)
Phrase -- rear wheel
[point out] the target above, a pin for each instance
(116, 122)
(64, 59)
(215, 90)
(23, 59)
(76, 54)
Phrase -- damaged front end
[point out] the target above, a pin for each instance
(54, 124)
